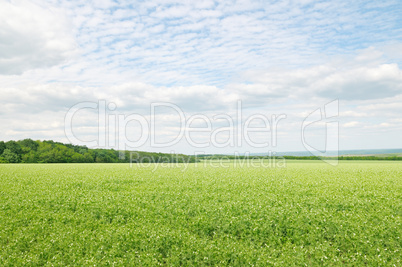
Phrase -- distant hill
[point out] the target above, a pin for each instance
(374, 154)
(360, 152)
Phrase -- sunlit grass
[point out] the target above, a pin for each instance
(308, 213)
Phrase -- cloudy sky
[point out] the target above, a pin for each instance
(208, 59)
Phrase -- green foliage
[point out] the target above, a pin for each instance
(29, 151)
(29, 144)
(307, 214)
(14, 147)
(9, 156)
(88, 158)
(2, 147)
(29, 157)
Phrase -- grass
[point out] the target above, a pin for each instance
(308, 213)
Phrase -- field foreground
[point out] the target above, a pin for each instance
(308, 213)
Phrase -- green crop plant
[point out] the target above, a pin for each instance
(305, 214)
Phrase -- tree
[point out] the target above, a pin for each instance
(10, 156)
(88, 158)
(30, 151)
(29, 157)
(29, 143)
(13, 147)
(77, 158)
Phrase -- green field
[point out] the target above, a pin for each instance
(308, 213)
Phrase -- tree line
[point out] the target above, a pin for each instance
(48, 151)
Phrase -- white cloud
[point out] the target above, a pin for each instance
(339, 80)
(353, 114)
(277, 57)
(32, 36)
(351, 124)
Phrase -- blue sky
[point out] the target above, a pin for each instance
(276, 57)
